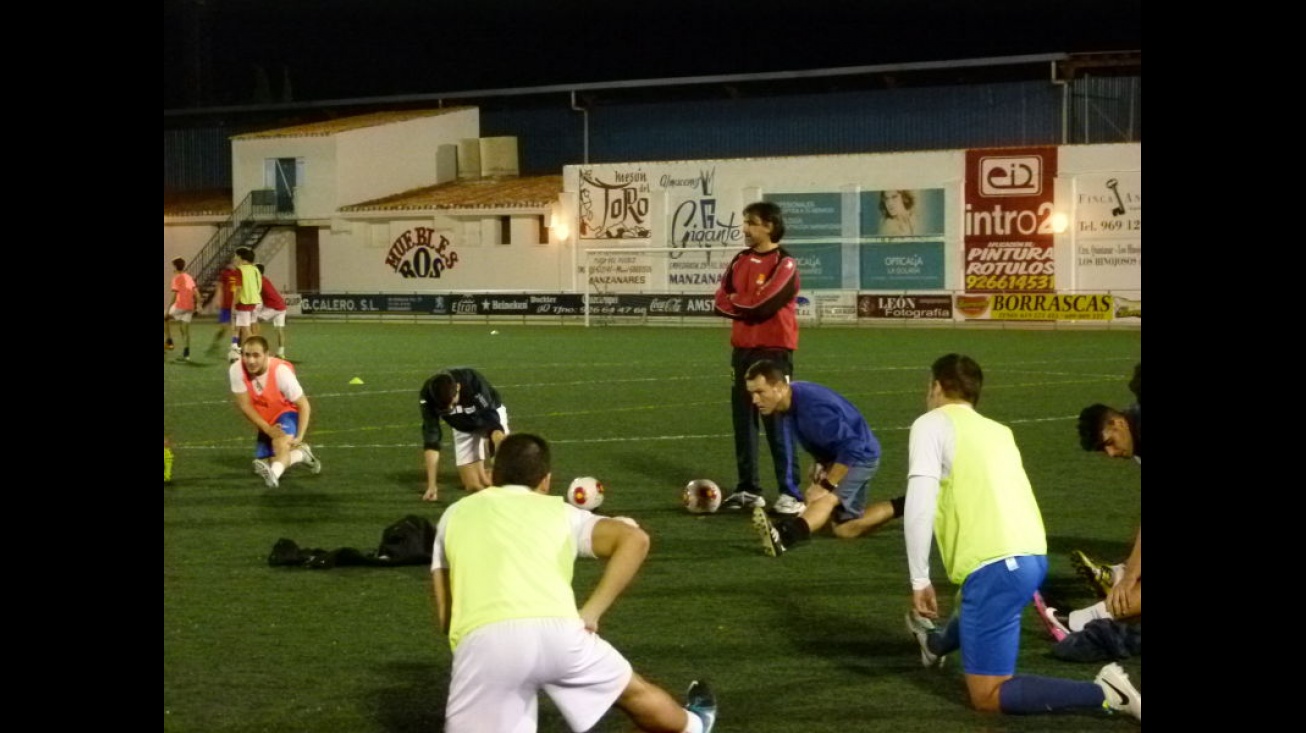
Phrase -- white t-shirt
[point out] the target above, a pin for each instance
(931, 447)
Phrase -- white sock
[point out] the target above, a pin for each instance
(693, 723)
(296, 456)
(277, 469)
(1080, 618)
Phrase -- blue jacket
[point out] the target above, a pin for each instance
(828, 426)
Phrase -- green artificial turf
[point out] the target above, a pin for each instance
(813, 641)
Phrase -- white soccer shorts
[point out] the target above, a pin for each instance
(500, 669)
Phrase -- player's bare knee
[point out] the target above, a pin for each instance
(985, 694)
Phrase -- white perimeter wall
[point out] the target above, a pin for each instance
(359, 254)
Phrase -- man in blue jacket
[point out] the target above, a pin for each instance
(845, 451)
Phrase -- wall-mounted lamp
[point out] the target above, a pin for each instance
(559, 226)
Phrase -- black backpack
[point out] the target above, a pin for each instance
(408, 541)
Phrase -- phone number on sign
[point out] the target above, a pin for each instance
(1010, 282)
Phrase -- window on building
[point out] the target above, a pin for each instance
(543, 229)
(505, 230)
(283, 176)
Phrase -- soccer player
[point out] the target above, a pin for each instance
(248, 297)
(847, 456)
(1118, 434)
(758, 292)
(501, 574)
(273, 310)
(228, 280)
(182, 307)
(465, 399)
(269, 395)
(967, 490)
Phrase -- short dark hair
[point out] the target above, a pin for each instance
(773, 371)
(1092, 421)
(260, 268)
(245, 253)
(179, 263)
(768, 213)
(522, 459)
(959, 376)
(257, 340)
(439, 391)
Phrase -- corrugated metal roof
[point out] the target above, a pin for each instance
(482, 193)
(344, 124)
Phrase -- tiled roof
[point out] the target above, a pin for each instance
(344, 124)
(483, 193)
(211, 202)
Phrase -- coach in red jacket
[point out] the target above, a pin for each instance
(759, 293)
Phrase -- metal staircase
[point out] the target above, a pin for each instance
(249, 223)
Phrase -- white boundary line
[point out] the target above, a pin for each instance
(561, 441)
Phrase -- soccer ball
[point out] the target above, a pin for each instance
(585, 492)
(701, 496)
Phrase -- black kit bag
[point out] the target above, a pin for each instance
(408, 541)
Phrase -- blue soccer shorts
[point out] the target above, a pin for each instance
(993, 598)
(289, 422)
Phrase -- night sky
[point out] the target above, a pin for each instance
(239, 52)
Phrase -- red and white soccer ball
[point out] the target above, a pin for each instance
(585, 492)
(701, 496)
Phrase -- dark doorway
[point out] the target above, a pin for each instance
(307, 263)
(285, 185)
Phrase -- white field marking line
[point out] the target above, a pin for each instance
(415, 390)
(214, 445)
(676, 406)
(709, 370)
(538, 385)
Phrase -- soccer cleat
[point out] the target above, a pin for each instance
(182, 360)
(1121, 695)
(310, 461)
(168, 345)
(923, 628)
(743, 500)
(263, 469)
(767, 533)
(1047, 615)
(700, 701)
(787, 504)
(1098, 575)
